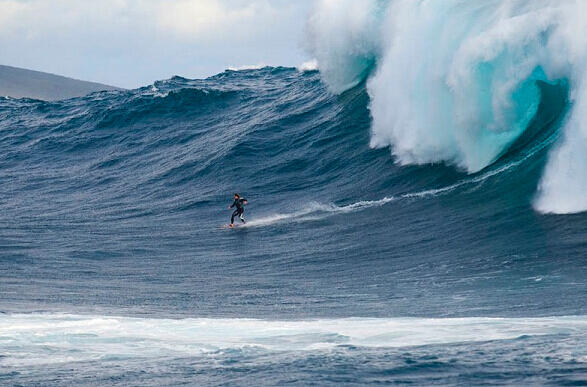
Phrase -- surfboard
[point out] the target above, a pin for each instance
(227, 226)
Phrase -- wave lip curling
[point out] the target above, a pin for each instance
(458, 82)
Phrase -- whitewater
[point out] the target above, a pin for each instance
(60, 338)
(456, 81)
(416, 212)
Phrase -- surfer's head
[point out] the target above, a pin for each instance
(236, 196)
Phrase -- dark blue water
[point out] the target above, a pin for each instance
(112, 212)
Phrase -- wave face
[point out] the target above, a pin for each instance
(140, 180)
(458, 81)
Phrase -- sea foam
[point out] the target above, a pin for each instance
(35, 339)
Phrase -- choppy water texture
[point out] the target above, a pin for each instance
(355, 265)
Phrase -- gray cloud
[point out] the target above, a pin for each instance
(134, 42)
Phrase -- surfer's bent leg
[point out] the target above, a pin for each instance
(241, 216)
(235, 213)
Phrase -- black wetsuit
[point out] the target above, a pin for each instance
(240, 208)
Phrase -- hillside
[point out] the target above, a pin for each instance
(21, 83)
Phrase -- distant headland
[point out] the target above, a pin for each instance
(22, 83)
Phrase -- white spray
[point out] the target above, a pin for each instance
(455, 80)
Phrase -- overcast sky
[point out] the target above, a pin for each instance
(131, 43)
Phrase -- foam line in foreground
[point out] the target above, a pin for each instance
(32, 339)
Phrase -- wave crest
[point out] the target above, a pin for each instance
(458, 82)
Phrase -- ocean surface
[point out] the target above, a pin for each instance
(371, 254)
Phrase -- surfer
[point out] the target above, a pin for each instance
(239, 203)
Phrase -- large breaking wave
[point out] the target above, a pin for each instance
(460, 81)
